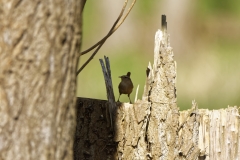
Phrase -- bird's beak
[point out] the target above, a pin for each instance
(120, 77)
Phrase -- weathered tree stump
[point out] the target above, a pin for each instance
(154, 128)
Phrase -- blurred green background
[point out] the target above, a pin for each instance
(204, 35)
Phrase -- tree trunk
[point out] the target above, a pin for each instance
(39, 45)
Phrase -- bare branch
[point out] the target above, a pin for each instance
(124, 16)
(109, 33)
(89, 59)
(115, 26)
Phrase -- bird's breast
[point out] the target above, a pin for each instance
(125, 87)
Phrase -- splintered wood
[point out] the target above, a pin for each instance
(219, 135)
(147, 129)
(201, 134)
(209, 134)
(154, 128)
(161, 79)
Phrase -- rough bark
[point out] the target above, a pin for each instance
(93, 138)
(188, 133)
(202, 134)
(147, 129)
(154, 128)
(209, 134)
(39, 42)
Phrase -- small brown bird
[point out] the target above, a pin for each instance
(125, 86)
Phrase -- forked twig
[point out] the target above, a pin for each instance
(115, 26)
(109, 33)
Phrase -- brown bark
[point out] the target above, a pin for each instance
(93, 138)
(201, 134)
(39, 42)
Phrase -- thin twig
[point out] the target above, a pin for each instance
(115, 26)
(109, 33)
(89, 59)
(125, 16)
(136, 95)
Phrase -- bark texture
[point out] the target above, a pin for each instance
(188, 133)
(219, 133)
(153, 128)
(93, 138)
(147, 129)
(208, 135)
(201, 135)
(39, 42)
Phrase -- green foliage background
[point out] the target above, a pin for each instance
(205, 37)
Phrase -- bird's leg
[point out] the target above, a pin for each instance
(129, 98)
(118, 97)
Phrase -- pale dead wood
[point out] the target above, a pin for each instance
(136, 95)
(199, 137)
(219, 133)
(154, 128)
(188, 133)
(210, 134)
(130, 132)
(147, 129)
